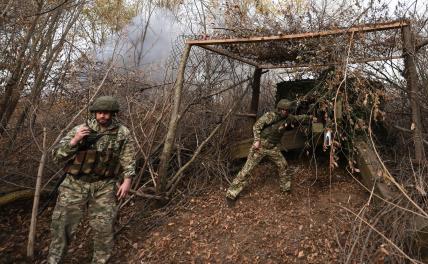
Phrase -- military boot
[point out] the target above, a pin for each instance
(230, 200)
(285, 187)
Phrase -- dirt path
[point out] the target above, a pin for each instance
(265, 226)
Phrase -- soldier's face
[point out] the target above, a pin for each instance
(103, 117)
(284, 112)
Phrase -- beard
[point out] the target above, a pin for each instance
(103, 121)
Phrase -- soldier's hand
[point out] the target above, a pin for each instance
(313, 118)
(256, 144)
(82, 132)
(324, 147)
(124, 188)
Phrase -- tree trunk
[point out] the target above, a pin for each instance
(32, 233)
(172, 127)
(42, 72)
(8, 103)
(255, 85)
(254, 106)
(410, 73)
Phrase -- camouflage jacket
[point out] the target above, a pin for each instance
(122, 145)
(271, 126)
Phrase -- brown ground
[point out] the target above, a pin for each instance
(265, 226)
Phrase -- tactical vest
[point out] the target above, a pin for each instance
(90, 161)
(273, 132)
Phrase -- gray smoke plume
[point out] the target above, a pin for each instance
(145, 44)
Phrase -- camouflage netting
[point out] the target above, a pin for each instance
(338, 89)
(323, 49)
(347, 108)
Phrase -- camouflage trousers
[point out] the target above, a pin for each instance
(75, 197)
(253, 159)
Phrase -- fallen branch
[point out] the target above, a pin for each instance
(146, 195)
(17, 195)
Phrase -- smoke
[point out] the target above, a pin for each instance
(145, 44)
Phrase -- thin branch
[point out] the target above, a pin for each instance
(382, 235)
(172, 184)
(421, 44)
(388, 174)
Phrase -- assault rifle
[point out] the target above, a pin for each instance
(90, 140)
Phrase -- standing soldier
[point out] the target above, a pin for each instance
(267, 131)
(96, 154)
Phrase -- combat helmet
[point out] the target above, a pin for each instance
(105, 103)
(284, 104)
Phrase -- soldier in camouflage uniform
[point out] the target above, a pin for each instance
(267, 131)
(96, 155)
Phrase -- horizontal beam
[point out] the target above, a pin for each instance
(359, 28)
(230, 55)
(357, 61)
(246, 115)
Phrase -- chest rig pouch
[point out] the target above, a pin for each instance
(89, 160)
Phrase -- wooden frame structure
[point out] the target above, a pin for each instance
(408, 53)
(209, 44)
